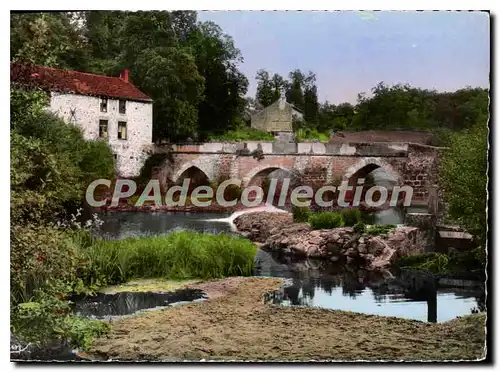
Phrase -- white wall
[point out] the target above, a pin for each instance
(139, 117)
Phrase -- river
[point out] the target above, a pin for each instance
(308, 285)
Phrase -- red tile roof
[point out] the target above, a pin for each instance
(76, 82)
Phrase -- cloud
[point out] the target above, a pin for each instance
(414, 45)
(365, 15)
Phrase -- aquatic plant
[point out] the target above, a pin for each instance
(179, 255)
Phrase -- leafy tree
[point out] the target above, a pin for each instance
(217, 58)
(295, 92)
(48, 39)
(464, 178)
(311, 105)
(265, 94)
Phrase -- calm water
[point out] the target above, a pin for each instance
(309, 282)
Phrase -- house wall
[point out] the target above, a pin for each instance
(130, 153)
(273, 118)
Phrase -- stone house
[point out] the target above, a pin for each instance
(277, 118)
(107, 109)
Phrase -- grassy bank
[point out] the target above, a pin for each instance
(179, 255)
(235, 324)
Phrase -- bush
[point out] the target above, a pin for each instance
(300, 214)
(243, 134)
(49, 318)
(307, 134)
(380, 229)
(42, 258)
(359, 228)
(326, 220)
(368, 218)
(351, 216)
(178, 255)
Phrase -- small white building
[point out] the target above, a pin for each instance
(107, 108)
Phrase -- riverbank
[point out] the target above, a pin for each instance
(236, 324)
(372, 249)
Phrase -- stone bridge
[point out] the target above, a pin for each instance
(315, 163)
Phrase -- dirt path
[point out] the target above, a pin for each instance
(235, 324)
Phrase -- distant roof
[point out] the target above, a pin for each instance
(75, 82)
(275, 102)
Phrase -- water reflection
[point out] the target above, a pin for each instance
(129, 224)
(105, 306)
(318, 284)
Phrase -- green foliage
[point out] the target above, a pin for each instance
(49, 39)
(464, 178)
(51, 164)
(82, 331)
(326, 220)
(368, 218)
(177, 255)
(453, 262)
(301, 214)
(359, 228)
(308, 134)
(244, 134)
(351, 216)
(49, 318)
(42, 257)
(380, 229)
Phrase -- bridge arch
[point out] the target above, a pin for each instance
(262, 171)
(366, 165)
(192, 168)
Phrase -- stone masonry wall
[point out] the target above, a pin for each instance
(130, 153)
(314, 163)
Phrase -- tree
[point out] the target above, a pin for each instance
(464, 178)
(295, 92)
(48, 39)
(223, 103)
(311, 105)
(265, 94)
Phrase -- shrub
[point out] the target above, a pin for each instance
(243, 134)
(307, 134)
(351, 216)
(326, 220)
(300, 214)
(380, 229)
(42, 258)
(178, 255)
(48, 318)
(367, 218)
(359, 228)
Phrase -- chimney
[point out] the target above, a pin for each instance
(124, 75)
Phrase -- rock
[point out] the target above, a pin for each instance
(361, 240)
(375, 246)
(258, 226)
(334, 258)
(362, 248)
(333, 249)
(349, 260)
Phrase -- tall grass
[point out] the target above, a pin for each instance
(308, 134)
(179, 255)
(244, 134)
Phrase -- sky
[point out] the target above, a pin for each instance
(350, 52)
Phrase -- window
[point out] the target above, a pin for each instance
(103, 128)
(122, 130)
(104, 105)
(122, 106)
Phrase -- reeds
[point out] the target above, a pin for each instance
(178, 255)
